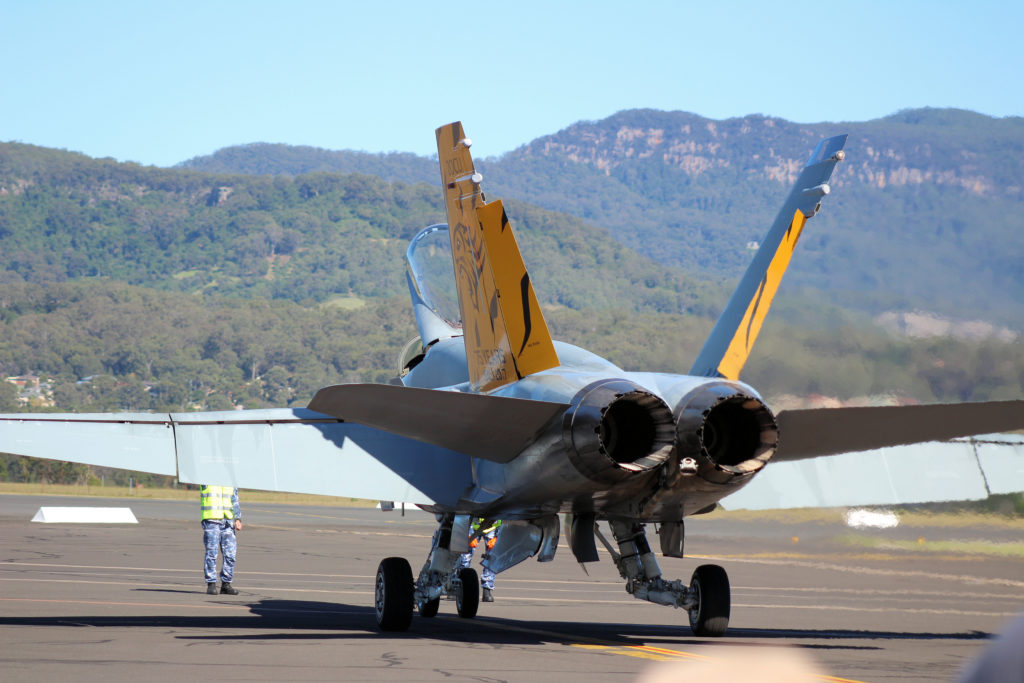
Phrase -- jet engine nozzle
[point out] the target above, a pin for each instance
(614, 429)
(729, 432)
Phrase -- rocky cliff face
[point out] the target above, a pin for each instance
(882, 153)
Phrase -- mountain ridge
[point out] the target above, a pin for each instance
(922, 195)
(267, 287)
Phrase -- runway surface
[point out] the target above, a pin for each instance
(118, 602)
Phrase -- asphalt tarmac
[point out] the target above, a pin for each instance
(127, 602)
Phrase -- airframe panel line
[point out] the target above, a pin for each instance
(273, 459)
(981, 470)
(1001, 457)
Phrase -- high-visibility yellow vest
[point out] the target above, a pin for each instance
(216, 502)
(478, 523)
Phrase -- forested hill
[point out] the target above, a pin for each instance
(265, 158)
(308, 238)
(125, 287)
(141, 288)
(926, 213)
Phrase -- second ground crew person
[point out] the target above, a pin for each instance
(221, 518)
(489, 534)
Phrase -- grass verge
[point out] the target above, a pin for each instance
(945, 546)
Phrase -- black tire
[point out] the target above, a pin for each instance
(393, 594)
(429, 608)
(710, 583)
(467, 596)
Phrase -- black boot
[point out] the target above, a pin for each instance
(211, 589)
(228, 588)
(487, 595)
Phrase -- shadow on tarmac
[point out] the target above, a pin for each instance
(349, 622)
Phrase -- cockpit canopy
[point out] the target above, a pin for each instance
(431, 281)
(431, 274)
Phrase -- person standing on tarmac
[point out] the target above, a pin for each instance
(489, 534)
(222, 517)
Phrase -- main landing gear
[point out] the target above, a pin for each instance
(392, 595)
(707, 598)
(396, 594)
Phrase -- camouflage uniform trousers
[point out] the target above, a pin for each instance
(486, 575)
(219, 534)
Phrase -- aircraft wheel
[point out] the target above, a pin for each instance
(710, 617)
(393, 594)
(467, 597)
(429, 608)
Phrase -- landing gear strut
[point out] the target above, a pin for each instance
(706, 599)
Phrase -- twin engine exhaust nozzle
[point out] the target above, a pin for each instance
(614, 429)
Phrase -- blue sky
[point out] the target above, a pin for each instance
(159, 83)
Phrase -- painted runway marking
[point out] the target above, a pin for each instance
(247, 608)
(532, 601)
(597, 644)
(623, 600)
(246, 591)
(121, 604)
(577, 585)
(170, 569)
(909, 573)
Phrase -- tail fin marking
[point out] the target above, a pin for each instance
(728, 346)
(527, 330)
(487, 262)
(743, 341)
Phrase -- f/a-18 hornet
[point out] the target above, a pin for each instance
(491, 418)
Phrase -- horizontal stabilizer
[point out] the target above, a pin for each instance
(488, 427)
(827, 431)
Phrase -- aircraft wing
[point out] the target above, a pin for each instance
(962, 469)
(828, 431)
(294, 450)
(890, 455)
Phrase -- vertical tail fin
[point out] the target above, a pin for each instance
(505, 332)
(730, 342)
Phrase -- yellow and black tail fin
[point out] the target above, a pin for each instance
(505, 332)
(728, 346)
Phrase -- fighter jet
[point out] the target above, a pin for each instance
(491, 418)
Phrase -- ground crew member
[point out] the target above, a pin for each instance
(489, 534)
(222, 517)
